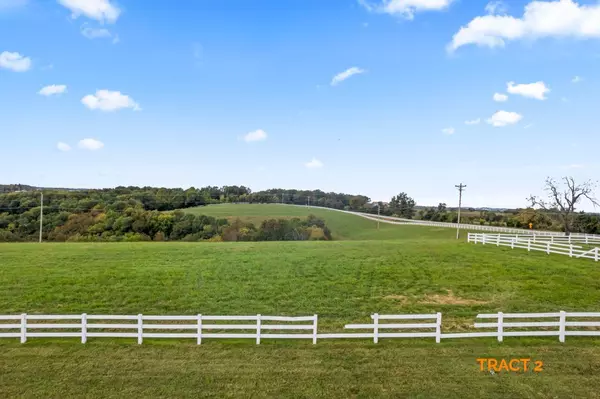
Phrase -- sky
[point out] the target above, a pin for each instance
(370, 97)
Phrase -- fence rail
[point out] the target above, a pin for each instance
(549, 245)
(26, 326)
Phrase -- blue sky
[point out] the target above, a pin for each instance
(164, 94)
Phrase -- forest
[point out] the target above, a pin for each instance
(148, 213)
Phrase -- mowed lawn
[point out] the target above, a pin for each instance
(407, 270)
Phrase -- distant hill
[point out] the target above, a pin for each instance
(11, 188)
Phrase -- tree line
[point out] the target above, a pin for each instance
(135, 213)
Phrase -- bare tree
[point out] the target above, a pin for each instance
(564, 200)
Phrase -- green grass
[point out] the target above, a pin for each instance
(342, 225)
(398, 269)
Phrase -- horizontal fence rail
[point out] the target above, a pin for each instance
(259, 327)
(571, 246)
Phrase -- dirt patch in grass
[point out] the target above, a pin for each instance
(436, 299)
(450, 299)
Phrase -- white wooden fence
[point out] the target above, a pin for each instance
(199, 327)
(144, 326)
(551, 245)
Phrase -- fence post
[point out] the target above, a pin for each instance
(597, 254)
(512, 243)
(552, 239)
(258, 329)
(500, 326)
(483, 238)
(140, 329)
(23, 328)
(83, 328)
(548, 248)
(199, 338)
(376, 328)
(529, 245)
(498, 240)
(438, 328)
(562, 328)
(571, 250)
(315, 318)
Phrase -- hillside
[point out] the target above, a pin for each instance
(343, 225)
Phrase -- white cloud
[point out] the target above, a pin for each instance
(496, 7)
(52, 90)
(562, 18)
(405, 8)
(448, 130)
(63, 146)
(95, 33)
(100, 10)
(576, 166)
(314, 164)
(537, 90)
(90, 144)
(577, 79)
(106, 100)
(14, 61)
(473, 122)
(340, 77)
(504, 118)
(256, 135)
(500, 97)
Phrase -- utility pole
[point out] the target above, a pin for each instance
(377, 216)
(41, 214)
(460, 187)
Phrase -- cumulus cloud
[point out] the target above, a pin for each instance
(405, 8)
(100, 10)
(95, 33)
(500, 97)
(537, 90)
(106, 100)
(14, 61)
(90, 144)
(314, 164)
(504, 118)
(63, 146)
(448, 130)
(562, 18)
(340, 77)
(496, 7)
(52, 90)
(473, 122)
(256, 135)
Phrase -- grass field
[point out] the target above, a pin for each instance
(398, 269)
